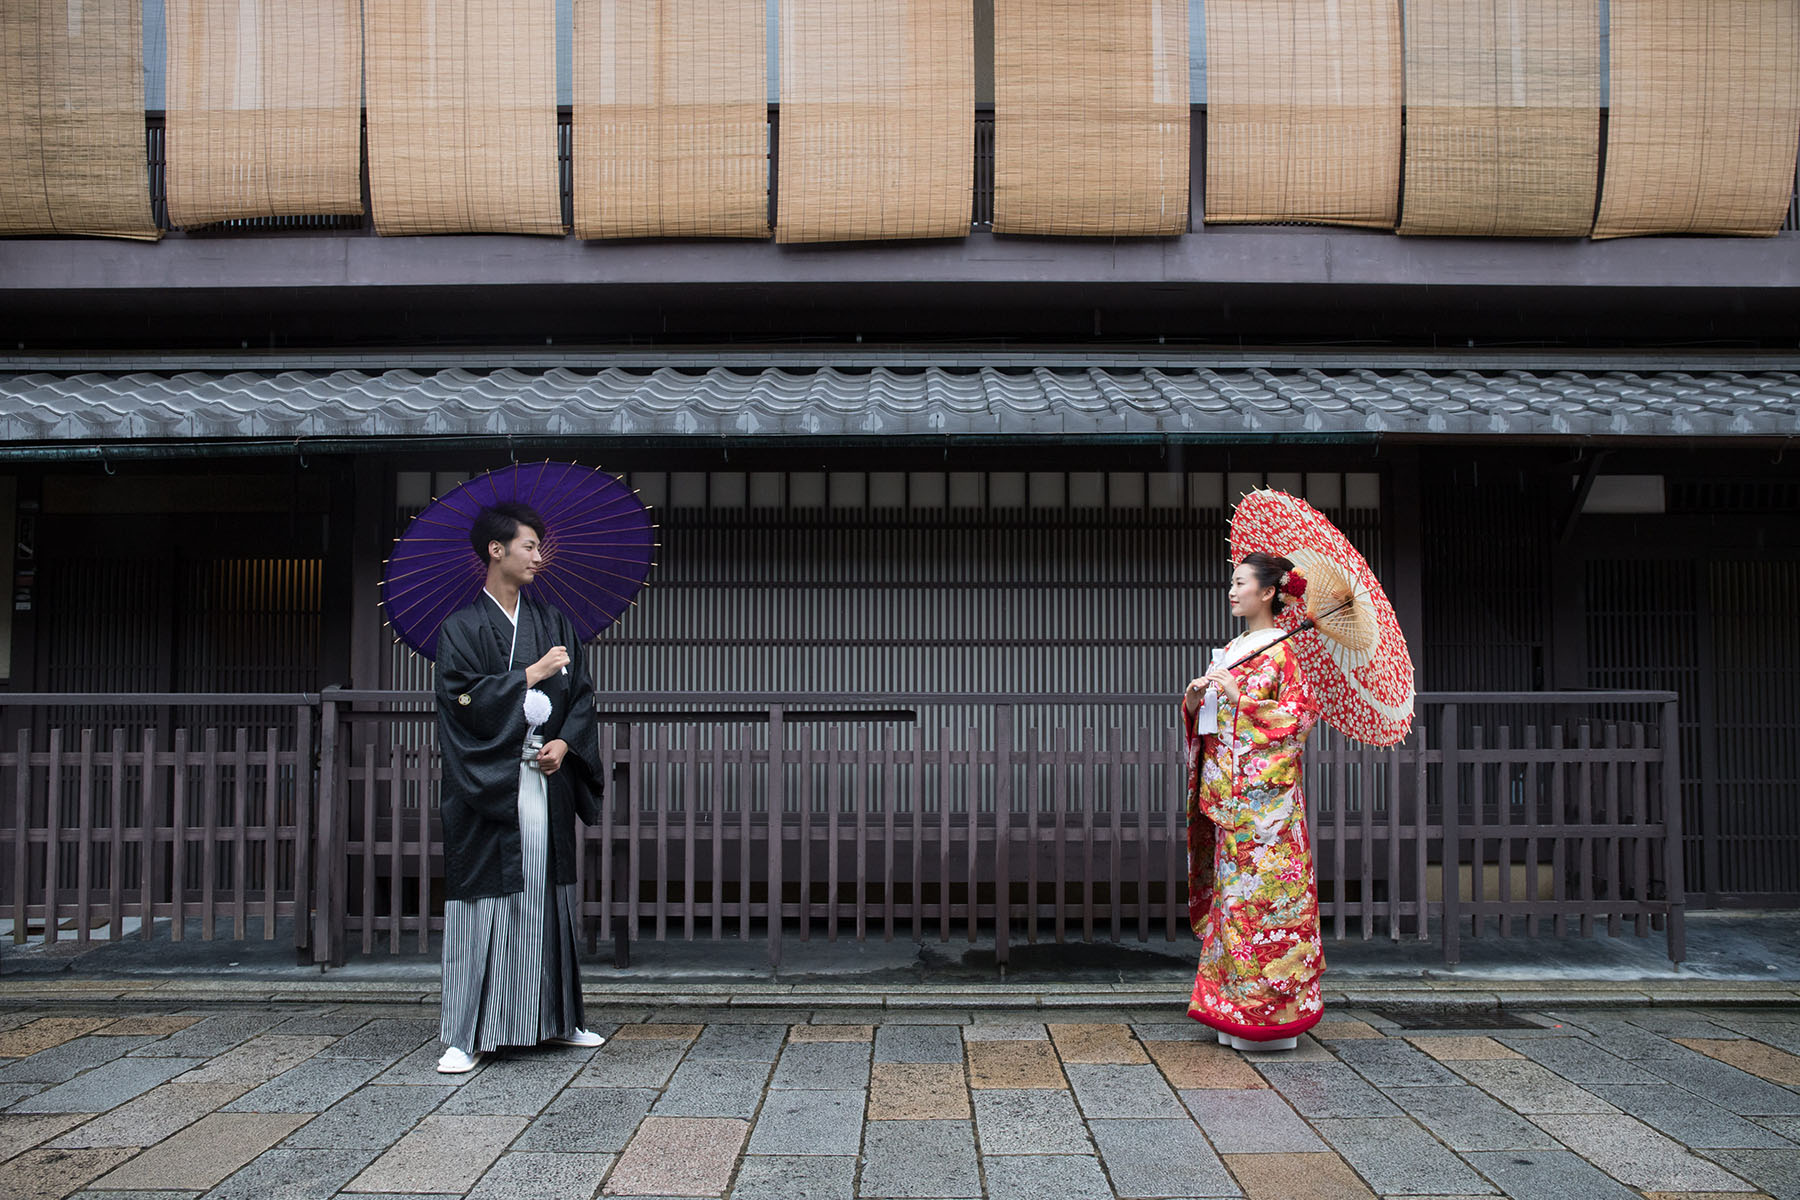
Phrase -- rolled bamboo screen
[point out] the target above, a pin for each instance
(877, 120)
(1091, 117)
(1502, 117)
(462, 116)
(72, 154)
(265, 109)
(671, 118)
(1303, 111)
(1705, 119)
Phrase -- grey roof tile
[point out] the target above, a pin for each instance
(883, 401)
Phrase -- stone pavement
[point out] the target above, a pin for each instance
(128, 1099)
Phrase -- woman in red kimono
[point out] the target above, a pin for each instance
(1253, 896)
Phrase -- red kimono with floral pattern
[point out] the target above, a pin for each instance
(1253, 896)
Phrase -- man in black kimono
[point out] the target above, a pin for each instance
(510, 976)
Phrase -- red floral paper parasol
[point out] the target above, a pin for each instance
(1351, 649)
(598, 548)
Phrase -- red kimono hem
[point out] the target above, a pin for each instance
(1259, 1033)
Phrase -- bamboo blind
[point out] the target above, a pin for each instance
(1705, 117)
(877, 120)
(1502, 117)
(265, 109)
(1303, 111)
(671, 118)
(72, 153)
(1091, 117)
(462, 116)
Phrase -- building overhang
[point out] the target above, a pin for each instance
(54, 414)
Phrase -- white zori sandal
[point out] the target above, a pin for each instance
(456, 1062)
(580, 1037)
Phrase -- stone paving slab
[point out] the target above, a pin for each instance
(1580, 1060)
(258, 1060)
(1320, 1176)
(1030, 1121)
(919, 1044)
(1690, 1119)
(1776, 1172)
(1549, 1175)
(441, 1154)
(311, 1087)
(150, 1118)
(293, 1175)
(204, 1153)
(1758, 1058)
(1390, 1063)
(1530, 1087)
(1396, 1157)
(1463, 1048)
(753, 1043)
(371, 1118)
(1033, 1177)
(1326, 1090)
(1196, 1064)
(806, 1122)
(831, 1033)
(519, 1085)
(776, 1177)
(1251, 1121)
(543, 1176)
(1466, 1118)
(106, 1086)
(714, 1088)
(588, 1120)
(1097, 1043)
(913, 1091)
(1015, 1064)
(41, 1033)
(823, 1065)
(627, 1063)
(1726, 1086)
(66, 1060)
(1635, 1154)
(1107, 1090)
(1160, 1158)
(679, 1156)
(20, 1133)
(920, 1160)
(47, 1174)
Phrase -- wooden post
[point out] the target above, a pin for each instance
(1004, 718)
(777, 810)
(327, 947)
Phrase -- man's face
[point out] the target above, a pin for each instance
(519, 560)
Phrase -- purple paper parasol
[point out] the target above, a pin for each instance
(598, 547)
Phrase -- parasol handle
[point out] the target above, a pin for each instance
(1305, 625)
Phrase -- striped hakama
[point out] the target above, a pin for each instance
(510, 976)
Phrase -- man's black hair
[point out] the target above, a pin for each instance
(501, 524)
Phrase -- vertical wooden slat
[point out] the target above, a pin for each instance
(716, 827)
(1175, 815)
(1092, 774)
(21, 832)
(1339, 795)
(1146, 742)
(147, 825)
(52, 832)
(209, 826)
(1005, 718)
(890, 798)
(834, 760)
(178, 834)
(972, 825)
(1365, 763)
(609, 799)
(1531, 821)
(861, 759)
(421, 772)
(690, 771)
(806, 830)
(918, 836)
(1452, 839)
(396, 847)
(1559, 845)
(303, 888)
(777, 811)
(1585, 850)
(943, 803)
(84, 831)
(1671, 821)
(1060, 788)
(662, 755)
(1638, 815)
(368, 846)
(1503, 806)
(1614, 893)
(638, 756)
(746, 801)
(240, 871)
(115, 836)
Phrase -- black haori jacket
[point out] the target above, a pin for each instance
(481, 732)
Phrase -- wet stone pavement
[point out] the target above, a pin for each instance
(299, 1102)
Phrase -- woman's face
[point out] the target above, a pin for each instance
(1248, 599)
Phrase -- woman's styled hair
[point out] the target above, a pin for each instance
(1270, 570)
(501, 524)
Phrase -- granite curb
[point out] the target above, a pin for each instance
(751, 996)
